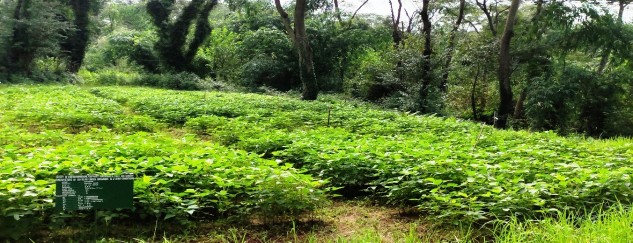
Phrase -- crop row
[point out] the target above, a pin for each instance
(455, 170)
(70, 107)
(178, 107)
(504, 173)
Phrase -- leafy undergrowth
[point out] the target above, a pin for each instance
(275, 157)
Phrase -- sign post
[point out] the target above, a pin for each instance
(94, 192)
(86, 192)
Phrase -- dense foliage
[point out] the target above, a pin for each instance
(551, 68)
(455, 170)
(565, 68)
(251, 149)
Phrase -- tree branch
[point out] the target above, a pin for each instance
(473, 25)
(411, 18)
(484, 8)
(354, 15)
(393, 16)
(286, 20)
(399, 11)
(338, 11)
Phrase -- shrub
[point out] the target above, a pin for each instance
(220, 55)
(271, 61)
(579, 100)
(177, 81)
(121, 44)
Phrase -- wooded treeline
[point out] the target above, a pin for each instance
(544, 65)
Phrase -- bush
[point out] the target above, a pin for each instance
(220, 55)
(371, 76)
(579, 100)
(272, 60)
(123, 44)
(180, 81)
(109, 76)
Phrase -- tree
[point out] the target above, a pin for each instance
(337, 12)
(504, 71)
(299, 38)
(32, 30)
(396, 34)
(130, 15)
(604, 59)
(21, 52)
(451, 45)
(569, 97)
(77, 41)
(426, 56)
(173, 50)
(486, 9)
(537, 63)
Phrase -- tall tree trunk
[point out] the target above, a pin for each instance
(17, 11)
(518, 108)
(604, 59)
(174, 51)
(484, 84)
(299, 38)
(11, 58)
(310, 90)
(337, 12)
(451, 46)
(79, 39)
(426, 65)
(20, 54)
(203, 30)
(396, 34)
(473, 102)
(505, 88)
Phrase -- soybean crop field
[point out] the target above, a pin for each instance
(200, 155)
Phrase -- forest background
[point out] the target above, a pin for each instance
(542, 65)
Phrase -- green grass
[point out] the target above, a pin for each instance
(614, 225)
